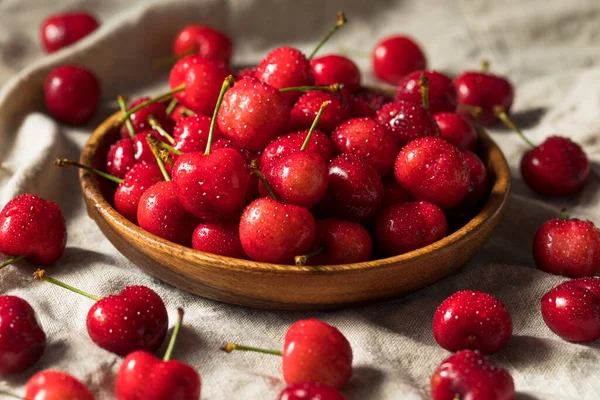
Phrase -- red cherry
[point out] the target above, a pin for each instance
(120, 158)
(568, 247)
(205, 41)
(344, 242)
(306, 108)
(373, 99)
(56, 385)
(405, 227)
(141, 148)
(334, 68)
(34, 228)
(22, 340)
(572, 310)
(219, 237)
(442, 93)
(61, 30)
(365, 138)
(470, 319)
(191, 133)
(180, 112)
(140, 178)
(139, 119)
(252, 114)
(355, 190)
(393, 193)
(274, 232)
(71, 94)
(310, 391)
(470, 375)
(395, 57)
(406, 121)
(478, 181)
(433, 170)
(456, 130)
(288, 144)
(285, 67)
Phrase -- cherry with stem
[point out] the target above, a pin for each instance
(156, 126)
(165, 96)
(174, 335)
(502, 116)
(229, 347)
(341, 20)
(226, 85)
(314, 124)
(254, 169)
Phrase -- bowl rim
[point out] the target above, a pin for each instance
(498, 194)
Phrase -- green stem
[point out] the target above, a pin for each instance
(226, 84)
(63, 162)
(40, 275)
(172, 106)
(314, 124)
(128, 123)
(174, 335)
(256, 171)
(341, 20)
(424, 88)
(170, 148)
(485, 66)
(229, 347)
(300, 261)
(336, 87)
(502, 116)
(153, 143)
(11, 261)
(162, 97)
(564, 214)
(156, 126)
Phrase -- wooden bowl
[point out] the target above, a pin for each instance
(271, 286)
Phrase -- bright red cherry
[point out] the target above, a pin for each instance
(34, 228)
(71, 94)
(334, 68)
(141, 148)
(219, 237)
(120, 158)
(393, 193)
(203, 40)
(468, 374)
(343, 242)
(568, 247)
(572, 310)
(139, 119)
(56, 385)
(306, 108)
(395, 57)
(140, 178)
(61, 30)
(433, 170)
(286, 145)
(405, 227)
(22, 340)
(310, 391)
(442, 93)
(191, 133)
(470, 319)
(406, 121)
(478, 181)
(456, 130)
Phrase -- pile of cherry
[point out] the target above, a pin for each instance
(294, 161)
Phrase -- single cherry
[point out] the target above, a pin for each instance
(219, 237)
(207, 42)
(286, 145)
(306, 108)
(56, 385)
(310, 391)
(120, 158)
(334, 68)
(442, 93)
(61, 30)
(191, 133)
(406, 121)
(456, 130)
(395, 57)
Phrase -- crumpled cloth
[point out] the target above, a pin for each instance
(549, 49)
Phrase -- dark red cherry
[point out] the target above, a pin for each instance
(138, 179)
(219, 237)
(334, 68)
(343, 242)
(393, 193)
(373, 98)
(395, 57)
(456, 130)
(406, 121)
(203, 40)
(442, 93)
(61, 30)
(303, 113)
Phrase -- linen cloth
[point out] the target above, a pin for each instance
(549, 49)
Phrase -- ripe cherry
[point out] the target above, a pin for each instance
(71, 94)
(286, 145)
(56, 385)
(478, 182)
(219, 237)
(120, 158)
(61, 30)
(456, 130)
(140, 119)
(191, 133)
(395, 57)
(334, 68)
(310, 391)
(306, 108)
(406, 121)
(203, 40)
(442, 93)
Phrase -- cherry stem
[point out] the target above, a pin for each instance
(226, 84)
(153, 143)
(165, 156)
(40, 275)
(229, 347)
(333, 88)
(162, 97)
(354, 52)
(314, 124)
(169, 351)
(186, 112)
(502, 116)
(485, 66)
(341, 20)
(172, 106)
(156, 126)
(475, 111)
(64, 162)
(11, 261)
(564, 214)
(424, 88)
(256, 171)
(11, 395)
(300, 261)
(170, 148)
(168, 60)
(121, 101)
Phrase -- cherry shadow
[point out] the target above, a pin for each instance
(365, 383)
(524, 351)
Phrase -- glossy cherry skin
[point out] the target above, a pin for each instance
(365, 138)
(191, 133)
(344, 242)
(478, 181)
(135, 319)
(393, 193)
(568, 247)
(274, 232)
(56, 385)
(486, 91)
(22, 340)
(406, 121)
(286, 145)
(285, 67)
(572, 310)
(305, 110)
(203, 40)
(314, 351)
(33, 227)
(120, 158)
(355, 189)
(61, 30)
(139, 119)
(433, 170)
(405, 227)
(456, 130)
(252, 114)
(468, 374)
(395, 57)
(143, 376)
(246, 72)
(140, 178)
(557, 167)
(442, 93)
(71, 94)
(334, 68)
(219, 237)
(161, 214)
(203, 79)
(310, 391)
(211, 185)
(474, 320)
(141, 149)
